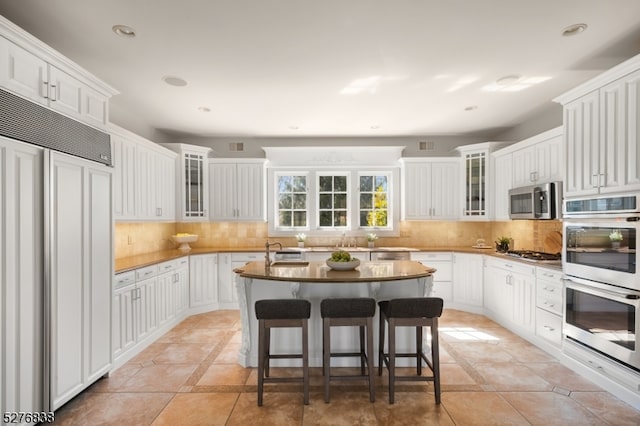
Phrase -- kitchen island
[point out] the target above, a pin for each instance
(314, 281)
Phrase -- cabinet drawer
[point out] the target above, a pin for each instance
(124, 279)
(549, 326)
(553, 305)
(426, 257)
(183, 261)
(146, 272)
(167, 266)
(247, 257)
(549, 275)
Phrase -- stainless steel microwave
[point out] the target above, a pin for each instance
(541, 201)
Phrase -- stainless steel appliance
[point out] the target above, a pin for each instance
(602, 287)
(536, 202)
(605, 318)
(536, 256)
(600, 238)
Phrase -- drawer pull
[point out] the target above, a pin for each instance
(551, 305)
(548, 328)
(549, 289)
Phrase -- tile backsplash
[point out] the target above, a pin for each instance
(139, 238)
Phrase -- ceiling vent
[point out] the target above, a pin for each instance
(427, 145)
(236, 147)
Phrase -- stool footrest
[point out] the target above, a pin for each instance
(351, 354)
(284, 356)
(283, 379)
(350, 377)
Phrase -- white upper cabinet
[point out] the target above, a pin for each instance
(144, 178)
(430, 188)
(602, 132)
(538, 159)
(237, 189)
(539, 162)
(502, 183)
(476, 168)
(33, 71)
(192, 181)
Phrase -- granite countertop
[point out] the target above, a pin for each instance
(319, 272)
(138, 261)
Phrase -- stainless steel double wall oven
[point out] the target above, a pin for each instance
(602, 285)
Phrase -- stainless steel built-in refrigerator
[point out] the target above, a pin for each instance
(57, 256)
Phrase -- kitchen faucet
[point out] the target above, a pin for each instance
(267, 258)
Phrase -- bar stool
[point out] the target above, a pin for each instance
(412, 312)
(272, 313)
(348, 312)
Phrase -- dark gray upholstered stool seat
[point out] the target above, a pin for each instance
(355, 312)
(412, 312)
(273, 313)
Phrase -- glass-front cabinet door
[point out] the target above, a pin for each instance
(475, 184)
(194, 180)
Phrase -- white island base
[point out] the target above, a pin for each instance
(343, 339)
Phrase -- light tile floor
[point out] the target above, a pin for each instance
(190, 377)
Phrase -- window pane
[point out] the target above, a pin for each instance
(285, 201)
(299, 184)
(325, 201)
(299, 201)
(363, 218)
(366, 201)
(340, 183)
(340, 201)
(326, 183)
(299, 218)
(284, 184)
(381, 182)
(285, 218)
(325, 218)
(340, 218)
(366, 183)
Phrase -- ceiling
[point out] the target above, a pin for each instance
(280, 68)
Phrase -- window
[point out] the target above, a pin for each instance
(332, 201)
(292, 201)
(374, 201)
(325, 202)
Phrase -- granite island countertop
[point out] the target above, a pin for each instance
(318, 272)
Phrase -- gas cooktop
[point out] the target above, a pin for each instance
(536, 256)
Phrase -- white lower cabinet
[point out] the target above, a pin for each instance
(145, 302)
(510, 293)
(203, 280)
(443, 278)
(467, 279)
(227, 294)
(549, 303)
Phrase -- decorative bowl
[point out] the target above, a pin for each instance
(184, 240)
(343, 266)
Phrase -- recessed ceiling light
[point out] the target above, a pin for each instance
(174, 81)
(374, 127)
(574, 29)
(123, 31)
(294, 127)
(204, 109)
(471, 108)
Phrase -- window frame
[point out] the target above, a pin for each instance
(353, 227)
